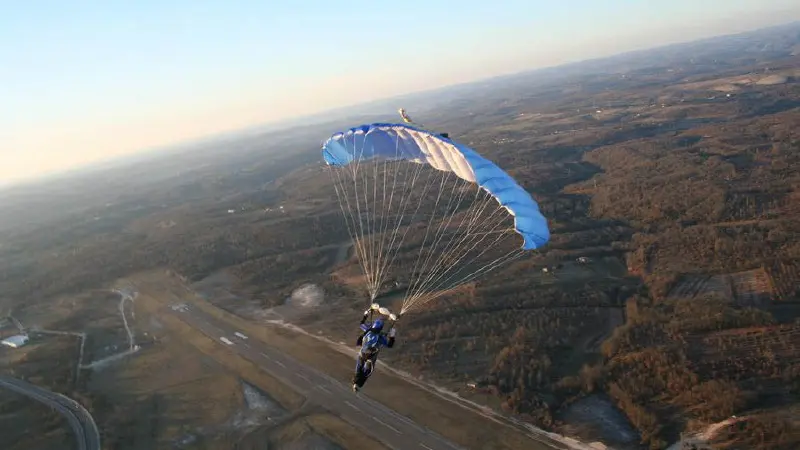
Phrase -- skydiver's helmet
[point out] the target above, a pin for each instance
(377, 326)
(371, 341)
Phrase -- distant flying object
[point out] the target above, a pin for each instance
(404, 115)
(408, 120)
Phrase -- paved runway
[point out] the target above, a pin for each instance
(392, 429)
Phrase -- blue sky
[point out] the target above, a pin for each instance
(88, 80)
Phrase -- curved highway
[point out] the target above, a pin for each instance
(79, 419)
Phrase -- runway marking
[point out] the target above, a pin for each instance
(303, 376)
(386, 425)
(246, 344)
(279, 363)
(352, 405)
(264, 355)
(425, 446)
(323, 389)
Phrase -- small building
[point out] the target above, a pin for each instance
(15, 341)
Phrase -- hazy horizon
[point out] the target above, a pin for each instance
(92, 85)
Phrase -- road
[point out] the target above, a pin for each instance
(392, 429)
(82, 423)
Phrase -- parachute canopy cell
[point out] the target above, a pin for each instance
(387, 141)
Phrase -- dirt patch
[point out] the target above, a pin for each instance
(260, 408)
(772, 80)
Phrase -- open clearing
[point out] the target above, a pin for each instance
(748, 288)
(596, 416)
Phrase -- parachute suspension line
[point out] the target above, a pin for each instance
(429, 226)
(420, 284)
(384, 260)
(443, 225)
(388, 258)
(473, 214)
(356, 230)
(363, 213)
(505, 259)
(459, 247)
(385, 211)
(376, 248)
(343, 196)
(468, 243)
(395, 249)
(378, 230)
(439, 285)
(363, 238)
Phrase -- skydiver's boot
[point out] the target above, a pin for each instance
(359, 378)
(358, 375)
(358, 382)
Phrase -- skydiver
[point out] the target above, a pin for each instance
(408, 120)
(375, 339)
(404, 115)
(376, 326)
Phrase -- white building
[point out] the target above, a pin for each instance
(15, 341)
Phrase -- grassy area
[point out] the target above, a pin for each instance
(317, 430)
(342, 433)
(248, 371)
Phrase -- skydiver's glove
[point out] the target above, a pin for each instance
(393, 333)
(364, 318)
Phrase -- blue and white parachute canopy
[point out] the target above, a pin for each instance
(387, 141)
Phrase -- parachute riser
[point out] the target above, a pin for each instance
(376, 309)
